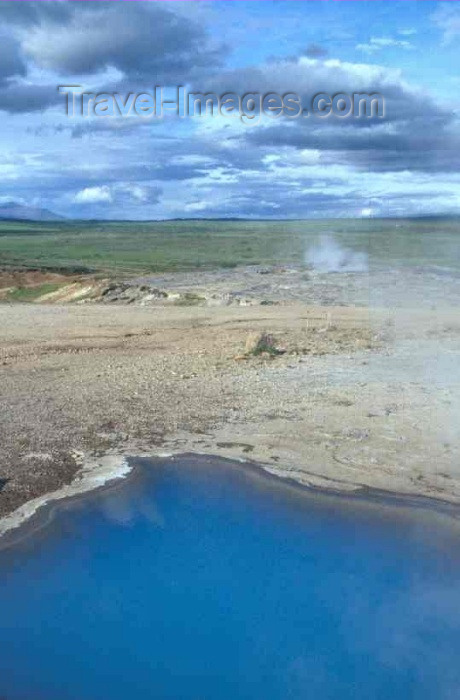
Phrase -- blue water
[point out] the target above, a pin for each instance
(200, 581)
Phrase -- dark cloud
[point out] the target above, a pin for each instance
(129, 167)
(315, 51)
(308, 77)
(27, 14)
(148, 43)
(22, 97)
(142, 40)
(415, 133)
(421, 144)
(11, 61)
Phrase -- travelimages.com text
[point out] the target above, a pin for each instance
(248, 107)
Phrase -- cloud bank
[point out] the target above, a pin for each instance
(407, 163)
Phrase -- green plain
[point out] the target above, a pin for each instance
(124, 248)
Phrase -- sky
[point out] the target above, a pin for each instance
(406, 164)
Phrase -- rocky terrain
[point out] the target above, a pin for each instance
(345, 396)
(379, 286)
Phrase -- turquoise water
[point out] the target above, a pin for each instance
(199, 580)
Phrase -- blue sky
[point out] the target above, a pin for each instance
(406, 164)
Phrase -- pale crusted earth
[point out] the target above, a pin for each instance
(358, 397)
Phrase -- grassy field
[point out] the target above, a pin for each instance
(32, 293)
(125, 248)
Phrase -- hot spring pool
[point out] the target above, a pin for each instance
(198, 579)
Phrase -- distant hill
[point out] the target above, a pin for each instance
(13, 210)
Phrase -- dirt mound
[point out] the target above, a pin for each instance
(25, 285)
(20, 277)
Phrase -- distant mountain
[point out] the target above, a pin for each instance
(14, 210)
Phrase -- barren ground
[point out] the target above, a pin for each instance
(359, 397)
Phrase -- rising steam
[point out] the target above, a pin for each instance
(329, 256)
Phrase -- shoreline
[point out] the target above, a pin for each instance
(112, 470)
(93, 475)
(355, 399)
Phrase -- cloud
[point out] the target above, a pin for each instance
(11, 60)
(416, 133)
(27, 97)
(114, 126)
(447, 18)
(407, 162)
(14, 201)
(378, 43)
(32, 13)
(122, 192)
(137, 193)
(306, 77)
(94, 195)
(315, 51)
(146, 44)
(149, 41)
(409, 31)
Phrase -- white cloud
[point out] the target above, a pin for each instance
(197, 206)
(94, 195)
(310, 156)
(136, 192)
(447, 18)
(11, 200)
(127, 192)
(378, 43)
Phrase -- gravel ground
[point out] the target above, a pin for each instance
(356, 397)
